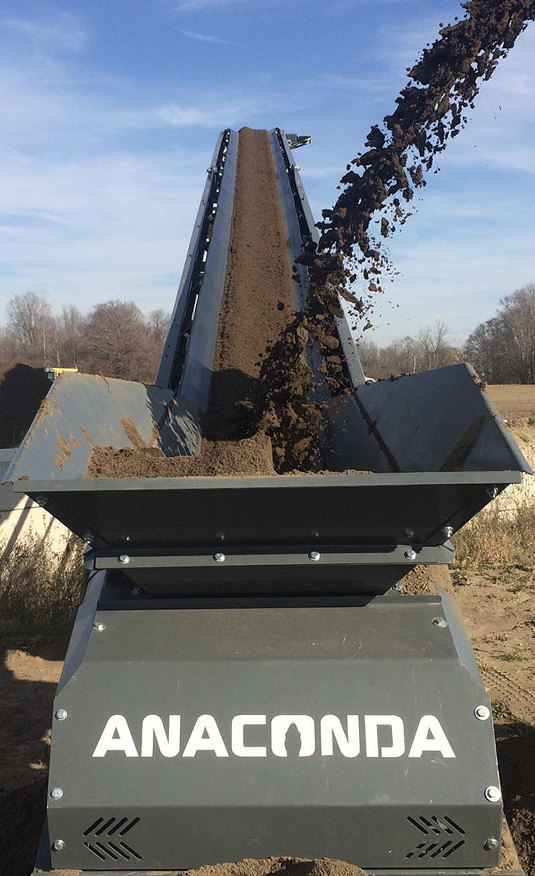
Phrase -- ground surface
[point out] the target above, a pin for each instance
(512, 400)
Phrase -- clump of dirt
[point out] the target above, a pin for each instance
(251, 456)
(22, 389)
(286, 866)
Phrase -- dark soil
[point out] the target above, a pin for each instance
(22, 389)
(378, 186)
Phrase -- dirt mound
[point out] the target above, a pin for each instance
(22, 389)
(252, 456)
(424, 580)
(286, 866)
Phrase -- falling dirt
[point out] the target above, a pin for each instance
(377, 188)
(22, 389)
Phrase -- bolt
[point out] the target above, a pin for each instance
(492, 492)
(482, 713)
(219, 557)
(409, 533)
(410, 555)
(493, 794)
(58, 845)
(88, 537)
(315, 556)
(41, 501)
(61, 714)
(99, 626)
(448, 531)
(56, 793)
(124, 559)
(398, 586)
(491, 844)
(439, 622)
(135, 591)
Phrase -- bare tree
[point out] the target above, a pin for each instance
(503, 348)
(71, 322)
(29, 320)
(116, 342)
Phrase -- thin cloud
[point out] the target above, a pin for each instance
(64, 32)
(206, 38)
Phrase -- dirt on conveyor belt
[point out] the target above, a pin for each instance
(257, 306)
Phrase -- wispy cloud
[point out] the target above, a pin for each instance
(64, 32)
(206, 38)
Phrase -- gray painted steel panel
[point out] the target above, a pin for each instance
(291, 661)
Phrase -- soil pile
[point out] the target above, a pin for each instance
(281, 866)
(22, 389)
(251, 456)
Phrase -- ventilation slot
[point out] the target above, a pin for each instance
(100, 844)
(443, 836)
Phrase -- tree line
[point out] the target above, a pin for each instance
(115, 338)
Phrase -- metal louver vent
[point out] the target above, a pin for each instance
(443, 836)
(104, 838)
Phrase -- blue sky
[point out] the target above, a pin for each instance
(109, 112)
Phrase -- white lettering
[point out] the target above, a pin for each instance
(213, 741)
(305, 727)
(110, 742)
(239, 748)
(371, 725)
(331, 729)
(436, 742)
(152, 728)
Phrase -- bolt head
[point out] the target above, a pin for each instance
(439, 622)
(219, 557)
(315, 556)
(88, 537)
(482, 713)
(56, 793)
(61, 714)
(41, 501)
(58, 845)
(493, 794)
(99, 627)
(491, 844)
(448, 531)
(124, 559)
(492, 492)
(398, 586)
(410, 555)
(409, 533)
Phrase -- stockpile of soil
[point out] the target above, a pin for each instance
(251, 456)
(22, 389)
(281, 866)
